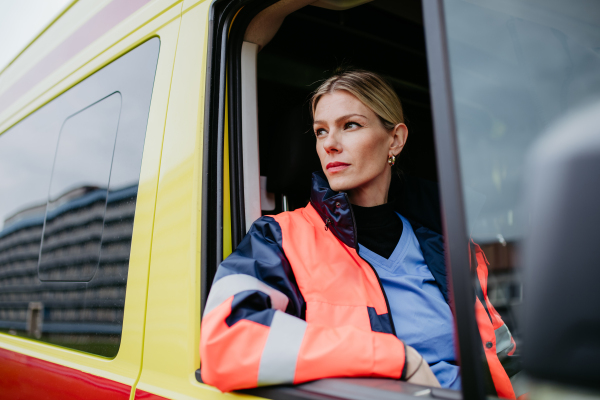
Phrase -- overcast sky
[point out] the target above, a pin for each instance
(21, 21)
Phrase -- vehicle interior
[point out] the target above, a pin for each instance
(271, 144)
(382, 36)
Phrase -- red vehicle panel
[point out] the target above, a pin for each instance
(25, 377)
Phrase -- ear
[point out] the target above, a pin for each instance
(399, 136)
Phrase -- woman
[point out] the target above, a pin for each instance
(354, 284)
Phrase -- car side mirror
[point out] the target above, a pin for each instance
(561, 308)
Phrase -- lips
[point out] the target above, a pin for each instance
(336, 166)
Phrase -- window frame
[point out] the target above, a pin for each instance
(223, 121)
(456, 243)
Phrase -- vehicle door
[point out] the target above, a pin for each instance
(250, 146)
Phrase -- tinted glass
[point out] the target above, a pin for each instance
(516, 67)
(69, 173)
(82, 163)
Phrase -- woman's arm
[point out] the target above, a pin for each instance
(417, 369)
(254, 333)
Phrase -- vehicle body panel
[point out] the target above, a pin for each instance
(136, 25)
(172, 335)
(24, 377)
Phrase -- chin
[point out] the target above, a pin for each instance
(341, 183)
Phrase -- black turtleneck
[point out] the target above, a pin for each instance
(378, 228)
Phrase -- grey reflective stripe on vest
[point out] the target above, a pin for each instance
(231, 285)
(503, 337)
(520, 384)
(279, 357)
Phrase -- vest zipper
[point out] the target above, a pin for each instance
(387, 303)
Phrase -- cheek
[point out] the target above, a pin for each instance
(370, 151)
(320, 152)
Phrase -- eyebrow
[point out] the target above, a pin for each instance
(342, 118)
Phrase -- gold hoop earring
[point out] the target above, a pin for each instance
(392, 160)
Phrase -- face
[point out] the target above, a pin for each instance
(354, 146)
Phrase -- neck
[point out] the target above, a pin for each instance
(373, 193)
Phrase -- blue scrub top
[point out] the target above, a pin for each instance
(422, 317)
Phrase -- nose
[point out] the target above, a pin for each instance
(331, 144)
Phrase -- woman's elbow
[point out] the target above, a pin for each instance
(231, 360)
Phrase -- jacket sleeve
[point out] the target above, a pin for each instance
(253, 330)
(503, 362)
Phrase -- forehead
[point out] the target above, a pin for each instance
(339, 103)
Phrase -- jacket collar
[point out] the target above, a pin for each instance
(335, 210)
(414, 198)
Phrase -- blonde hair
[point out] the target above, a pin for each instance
(368, 87)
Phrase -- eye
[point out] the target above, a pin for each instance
(351, 124)
(320, 132)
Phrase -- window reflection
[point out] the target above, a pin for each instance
(85, 186)
(515, 67)
(75, 213)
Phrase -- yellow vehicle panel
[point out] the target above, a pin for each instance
(171, 344)
(155, 19)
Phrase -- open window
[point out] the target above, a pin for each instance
(277, 143)
(260, 148)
